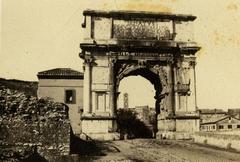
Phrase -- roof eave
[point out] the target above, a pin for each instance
(121, 14)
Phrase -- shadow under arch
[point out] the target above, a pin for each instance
(153, 77)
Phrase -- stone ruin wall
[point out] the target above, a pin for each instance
(31, 126)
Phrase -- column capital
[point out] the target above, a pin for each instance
(170, 61)
(90, 61)
(112, 61)
(192, 63)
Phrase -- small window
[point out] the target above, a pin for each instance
(70, 96)
(238, 126)
(229, 126)
(213, 127)
(220, 126)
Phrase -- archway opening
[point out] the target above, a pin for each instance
(137, 104)
(135, 91)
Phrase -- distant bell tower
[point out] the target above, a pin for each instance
(125, 100)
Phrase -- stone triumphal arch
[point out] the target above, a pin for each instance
(158, 46)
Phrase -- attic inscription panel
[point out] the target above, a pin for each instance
(144, 29)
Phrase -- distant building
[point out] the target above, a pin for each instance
(212, 111)
(143, 113)
(211, 114)
(217, 123)
(148, 116)
(235, 112)
(125, 100)
(64, 85)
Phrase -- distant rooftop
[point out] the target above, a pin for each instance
(215, 119)
(121, 14)
(212, 111)
(60, 73)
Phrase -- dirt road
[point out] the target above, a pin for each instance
(151, 150)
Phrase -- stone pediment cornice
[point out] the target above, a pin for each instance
(130, 15)
(143, 46)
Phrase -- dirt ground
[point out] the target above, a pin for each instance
(151, 150)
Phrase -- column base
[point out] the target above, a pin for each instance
(101, 136)
(177, 127)
(99, 128)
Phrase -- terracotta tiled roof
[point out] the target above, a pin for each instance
(60, 73)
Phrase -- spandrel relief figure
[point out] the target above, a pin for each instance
(162, 72)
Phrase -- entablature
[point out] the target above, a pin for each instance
(137, 48)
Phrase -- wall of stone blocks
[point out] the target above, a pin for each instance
(187, 125)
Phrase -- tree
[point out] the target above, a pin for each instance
(130, 125)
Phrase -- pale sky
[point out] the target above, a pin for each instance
(38, 35)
